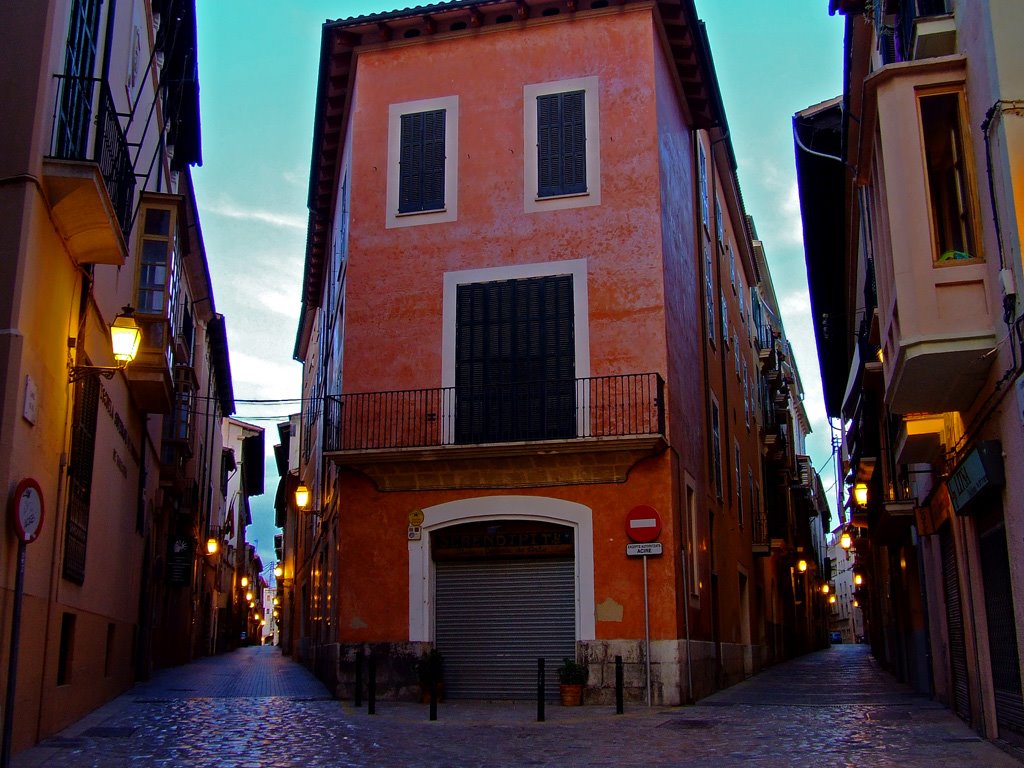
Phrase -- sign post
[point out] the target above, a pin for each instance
(643, 526)
(28, 522)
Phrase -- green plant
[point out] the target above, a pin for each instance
(572, 673)
(430, 666)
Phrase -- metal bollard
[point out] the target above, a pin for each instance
(540, 689)
(358, 697)
(618, 685)
(371, 693)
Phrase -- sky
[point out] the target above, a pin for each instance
(258, 65)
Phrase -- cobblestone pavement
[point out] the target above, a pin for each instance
(254, 709)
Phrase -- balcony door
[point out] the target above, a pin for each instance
(74, 119)
(515, 360)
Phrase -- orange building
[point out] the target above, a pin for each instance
(529, 308)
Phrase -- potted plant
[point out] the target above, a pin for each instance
(430, 669)
(572, 677)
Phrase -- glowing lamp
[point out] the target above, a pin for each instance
(301, 496)
(860, 494)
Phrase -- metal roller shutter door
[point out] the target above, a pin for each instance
(955, 625)
(1002, 630)
(495, 618)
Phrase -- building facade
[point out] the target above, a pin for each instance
(98, 226)
(536, 329)
(909, 188)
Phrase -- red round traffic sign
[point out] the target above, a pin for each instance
(643, 524)
(28, 510)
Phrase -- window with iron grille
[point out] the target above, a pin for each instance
(75, 118)
(709, 293)
(83, 447)
(561, 144)
(703, 168)
(421, 162)
(515, 361)
(716, 449)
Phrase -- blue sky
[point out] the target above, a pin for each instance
(258, 72)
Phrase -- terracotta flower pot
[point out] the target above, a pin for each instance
(571, 693)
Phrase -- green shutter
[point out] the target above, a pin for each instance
(561, 144)
(515, 360)
(421, 162)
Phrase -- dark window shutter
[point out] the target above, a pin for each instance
(561, 144)
(421, 162)
(515, 360)
(83, 448)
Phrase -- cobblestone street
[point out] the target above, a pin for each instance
(252, 708)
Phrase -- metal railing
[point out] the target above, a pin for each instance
(606, 406)
(86, 126)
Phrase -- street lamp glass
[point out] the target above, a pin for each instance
(801, 565)
(278, 572)
(301, 496)
(211, 546)
(845, 541)
(245, 581)
(248, 596)
(858, 579)
(125, 337)
(860, 494)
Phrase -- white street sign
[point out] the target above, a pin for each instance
(635, 550)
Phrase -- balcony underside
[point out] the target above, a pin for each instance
(502, 465)
(83, 213)
(935, 376)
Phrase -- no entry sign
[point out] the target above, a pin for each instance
(643, 524)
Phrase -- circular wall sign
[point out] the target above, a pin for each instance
(643, 524)
(28, 510)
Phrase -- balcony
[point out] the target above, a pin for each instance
(936, 324)
(88, 175)
(591, 430)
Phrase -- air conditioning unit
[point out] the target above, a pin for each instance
(934, 36)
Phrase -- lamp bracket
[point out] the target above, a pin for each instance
(79, 372)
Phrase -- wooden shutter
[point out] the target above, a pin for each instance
(515, 360)
(421, 162)
(83, 448)
(561, 144)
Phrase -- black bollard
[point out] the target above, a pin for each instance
(371, 693)
(358, 697)
(540, 689)
(618, 685)
(433, 699)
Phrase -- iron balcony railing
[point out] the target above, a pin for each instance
(86, 126)
(606, 406)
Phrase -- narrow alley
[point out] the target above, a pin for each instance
(253, 708)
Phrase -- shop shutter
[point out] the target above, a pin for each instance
(495, 618)
(1002, 630)
(961, 700)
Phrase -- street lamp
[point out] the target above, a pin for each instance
(825, 589)
(244, 582)
(846, 541)
(860, 494)
(212, 545)
(801, 565)
(278, 572)
(248, 596)
(858, 580)
(302, 496)
(125, 338)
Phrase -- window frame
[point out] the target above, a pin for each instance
(394, 218)
(532, 201)
(967, 191)
(716, 450)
